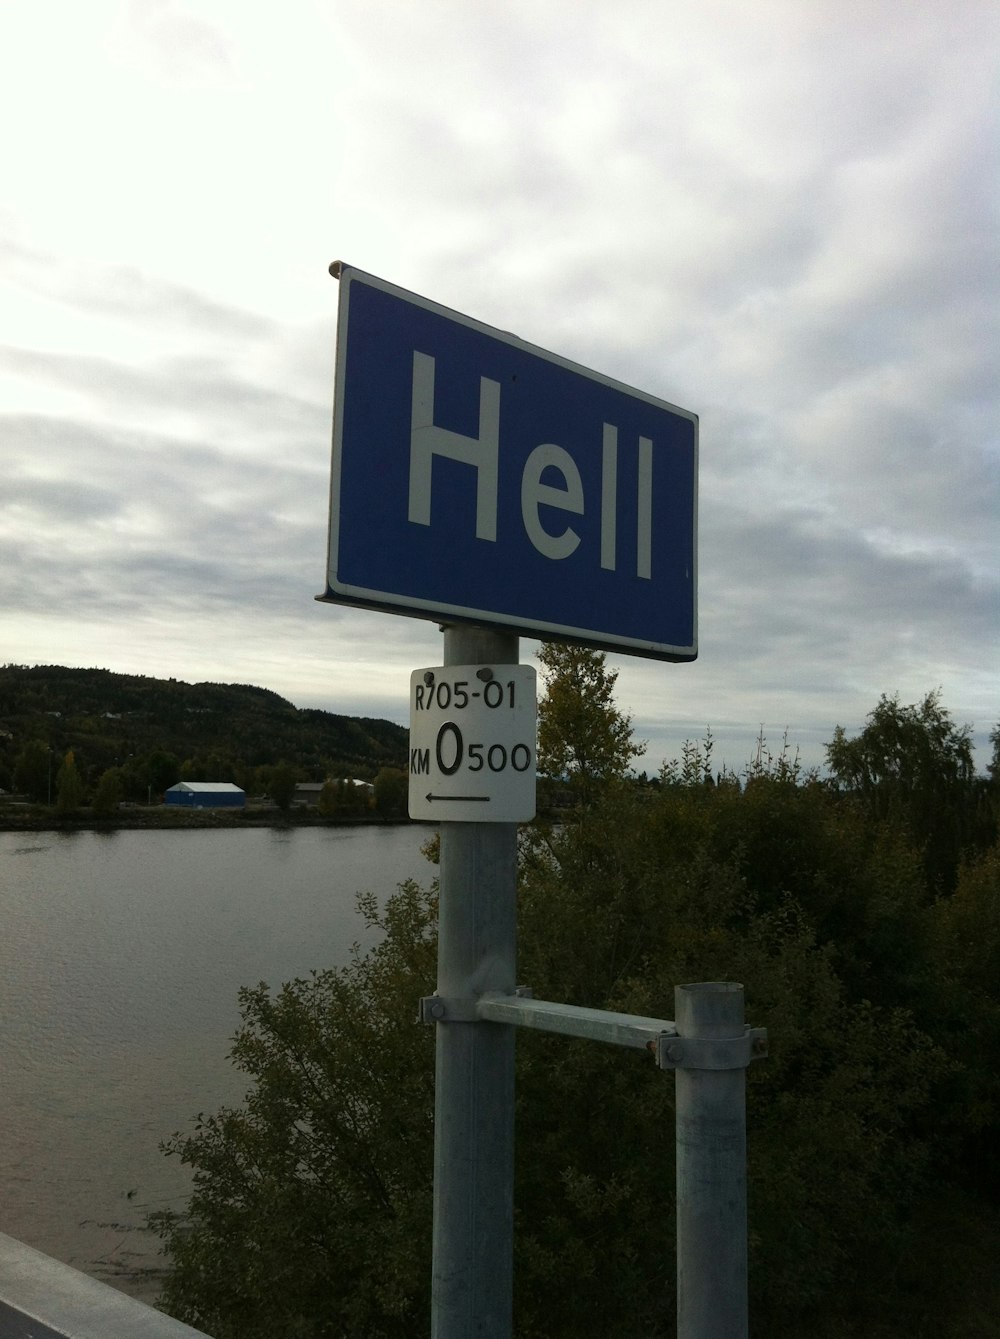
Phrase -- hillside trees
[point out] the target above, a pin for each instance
(214, 731)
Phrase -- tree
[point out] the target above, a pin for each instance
(352, 799)
(69, 786)
(911, 765)
(647, 891)
(135, 784)
(194, 769)
(32, 771)
(966, 938)
(281, 785)
(310, 1209)
(582, 736)
(109, 792)
(162, 771)
(328, 802)
(391, 793)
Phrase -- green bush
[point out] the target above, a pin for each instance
(311, 1204)
(873, 1125)
(616, 912)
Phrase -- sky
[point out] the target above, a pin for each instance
(781, 216)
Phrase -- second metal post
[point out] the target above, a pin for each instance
(711, 1172)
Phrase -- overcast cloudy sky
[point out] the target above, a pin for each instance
(780, 215)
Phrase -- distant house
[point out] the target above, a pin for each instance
(206, 795)
(308, 792)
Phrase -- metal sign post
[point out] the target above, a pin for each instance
(473, 1232)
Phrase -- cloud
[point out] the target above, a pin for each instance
(169, 43)
(125, 291)
(149, 515)
(779, 216)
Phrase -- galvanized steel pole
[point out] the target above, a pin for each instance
(711, 1172)
(473, 1238)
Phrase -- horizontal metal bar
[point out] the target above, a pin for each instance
(658, 1035)
(573, 1021)
(41, 1298)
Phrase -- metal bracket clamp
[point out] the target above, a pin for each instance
(712, 1052)
(445, 1009)
(452, 1009)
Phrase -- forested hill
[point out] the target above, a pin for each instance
(210, 731)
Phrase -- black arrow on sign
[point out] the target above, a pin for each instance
(459, 799)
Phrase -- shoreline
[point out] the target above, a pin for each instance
(170, 818)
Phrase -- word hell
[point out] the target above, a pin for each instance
(428, 440)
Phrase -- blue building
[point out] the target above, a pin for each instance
(206, 795)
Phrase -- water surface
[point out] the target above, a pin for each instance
(121, 955)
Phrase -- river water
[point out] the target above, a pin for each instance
(121, 955)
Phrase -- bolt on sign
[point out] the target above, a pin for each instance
(472, 743)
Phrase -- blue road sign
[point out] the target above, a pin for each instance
(479, 479)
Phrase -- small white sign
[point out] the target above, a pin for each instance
(472, 743)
